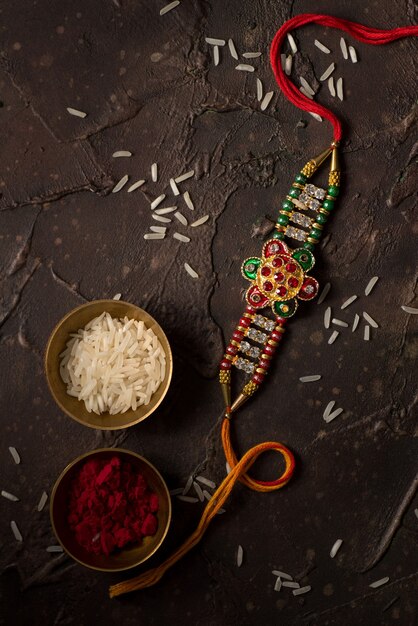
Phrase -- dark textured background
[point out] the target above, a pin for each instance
(149, 85)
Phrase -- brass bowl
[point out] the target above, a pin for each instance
(78, 318)
(122, 559)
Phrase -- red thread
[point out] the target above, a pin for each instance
(365, 34)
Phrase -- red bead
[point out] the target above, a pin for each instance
(293, 282)
(291, 267)
(277, 262)
(268, 286)
(276, 336)
(269, 350)
(225, 365)
(281, 321)
(281, 291)
(244, 321)
(232, 349)
(279, 277)
(266, 271)
(249, 309)
(237, 334)
(258, 378)
(264, 363)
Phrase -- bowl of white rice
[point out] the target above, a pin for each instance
(108, 364)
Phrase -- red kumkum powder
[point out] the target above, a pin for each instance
(111, 506)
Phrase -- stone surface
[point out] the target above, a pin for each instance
(149, 85)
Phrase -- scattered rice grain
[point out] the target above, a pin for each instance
(288, 65)
(291, 585)
(188, 200)
(347, 302)
(191, 271)
(154, 172)
(266, 100)
(327, 72)
(169, 7)
(174, 187)
(310, 379)
(185, 176)
(76, 112)
(181, 237)
(181, 218)
(176, 492)
(118, 296)
(339, 322)
(353, 54)
(259, 90)
(315, 116)
(160, 218)
(278, 584)
(121, 153)
(120, 184)
(136, 185)
(409, 309)
(207, 495)
(215, 42)
(333, 415)
(343, 47)
(157, 201)
(298, 592)
(9, 496)
(340, 91)
(337, 545)
(328, 409)
(187, 499)
(168, 209)
(355, 323)
(158, 229)
(206, 481)
(321, 46)
(242, 67)
(367, 333)
(55, 549)
(216, 55)
(292, 43)
(200, 221)
(372, 282)
(232, 49)
(15, 454)
(369, 319)
(228, 470)
(42, 501)
(379, 583)
(306, 85)
(16, 531)
(277, 572)
(305, 93)
(199, 491)
(251, 55)
(240, 556)
(327, 317)
(154, 236)
(324, 293)
(188, 485)
(333, 337)
(331, 87)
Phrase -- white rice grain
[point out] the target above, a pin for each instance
(76, 112)
(154, 236)
(347, 302)
(367, 333)
(310, 379)
(120, 184)
(333, 337)
(331, 87)
(266, 100)
(185, 176)
(327, 317)
(188, 200)
(174, 187)
(321, 46)
(9, 496)
(278, 584)
(208, 496)
(343, 47)
(136, 185)
(228, 468)
(165, 210)
(251, 55)
(200, 221)
(288, 65)
(242, 67)
(409, 309)
(216, 55)
(15, 530)
(176, 492)
(327, 72)
(259, 90)
(240, 556)
(121, 153)
(15, 454)
(379, 583)
(181, 237)
(328, 409)
(298, 592)
(188, 485)
(158, 229)
(55, 549)
(292, 43)
(181, 218)
(306, 85)
(355, 323)
(212, 41)
(157, 201)
(169, 7)
(191, 271)
(370, 285)
(339, 322)
(42, 501)
(291, 585)
(340, 91)
(154, 172)
(117, 296)
(369, 319)
(333, 415)
(277, 572)
(353, 54)
(206, 481)
(199, 491)
(305, 93)
(232, 49)
(187, 499)
(337, 545)
(317, 117)
(324, 293)
(160, 218)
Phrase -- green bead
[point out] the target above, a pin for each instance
(321, 218)
(277, 235)
(315, 233)
(328, 205)
(300, 178)
(283, 220)
(333, 190)
(288, 206)
(309, 246)
(295, 192)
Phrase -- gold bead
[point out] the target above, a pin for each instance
(318, 226)
(279, 329)
(312, 240)
(224, 377)
(235, 343)
(250, 388)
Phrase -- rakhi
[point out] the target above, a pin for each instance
(279, 278)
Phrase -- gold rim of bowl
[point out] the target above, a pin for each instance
(162, 490)
(57, 341)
